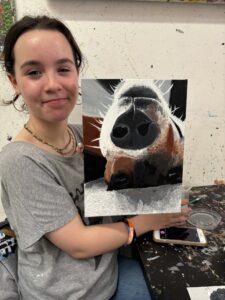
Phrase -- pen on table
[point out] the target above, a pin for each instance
(195, 200)
(191, 202)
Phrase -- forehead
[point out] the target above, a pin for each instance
(41, 44)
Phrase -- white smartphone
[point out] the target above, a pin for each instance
(180, 235)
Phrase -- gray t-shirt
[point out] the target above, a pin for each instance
(41, 192)
(8, 278)
(8, 267)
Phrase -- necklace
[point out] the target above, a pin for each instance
(61, 151)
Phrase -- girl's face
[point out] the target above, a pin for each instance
(45, 74)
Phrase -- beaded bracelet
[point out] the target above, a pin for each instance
(132, 233)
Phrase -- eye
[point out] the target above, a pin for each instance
(63, 70)
(34, 73)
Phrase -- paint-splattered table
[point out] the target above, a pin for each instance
(170, 269)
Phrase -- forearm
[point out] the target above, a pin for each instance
(100, 239)
(81, 241)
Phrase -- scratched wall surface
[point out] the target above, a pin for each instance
(129, 39)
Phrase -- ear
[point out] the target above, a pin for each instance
(13, 81)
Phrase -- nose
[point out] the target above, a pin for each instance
(52, 82)
(120, 181)
(134, 130)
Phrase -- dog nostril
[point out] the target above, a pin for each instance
(119, 181)
(120, 131)
(143, 129)
(134, 130)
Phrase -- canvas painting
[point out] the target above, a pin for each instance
(134, 143)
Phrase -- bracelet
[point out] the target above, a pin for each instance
(132, 233)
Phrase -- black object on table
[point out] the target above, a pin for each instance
(170, 269)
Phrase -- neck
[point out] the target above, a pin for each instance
(55, 133)
(55, 143)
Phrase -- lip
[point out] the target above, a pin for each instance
(55, 101)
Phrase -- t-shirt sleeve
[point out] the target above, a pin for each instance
(37, 202)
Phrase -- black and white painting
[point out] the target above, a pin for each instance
(134, 144)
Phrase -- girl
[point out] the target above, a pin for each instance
(60, 255)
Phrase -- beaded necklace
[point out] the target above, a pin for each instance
(61, 151)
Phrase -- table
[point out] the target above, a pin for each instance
(170, 269)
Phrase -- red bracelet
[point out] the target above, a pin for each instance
(131, 233)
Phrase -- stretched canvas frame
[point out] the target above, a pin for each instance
(134, 139)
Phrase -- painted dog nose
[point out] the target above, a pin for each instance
(120, 181)
(134, 130)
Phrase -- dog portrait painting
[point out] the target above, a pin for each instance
(134, 145)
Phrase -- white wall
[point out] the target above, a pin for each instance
(128, 39)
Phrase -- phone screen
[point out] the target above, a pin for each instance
(184, 234)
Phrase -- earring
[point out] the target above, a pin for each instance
(22, 106)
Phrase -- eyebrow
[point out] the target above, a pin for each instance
(37, 63)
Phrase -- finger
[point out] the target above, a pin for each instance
(184, 202)
(183, 223)
(185, 210)
(176, 224)
(180, 219)
(179, 224)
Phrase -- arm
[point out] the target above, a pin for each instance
(82, 241)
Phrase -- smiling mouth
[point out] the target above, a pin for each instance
(56, 100)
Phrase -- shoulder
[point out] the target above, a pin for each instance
(18, 150)
(10, 154)
(18, 156)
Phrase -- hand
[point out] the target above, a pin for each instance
(145, 223)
